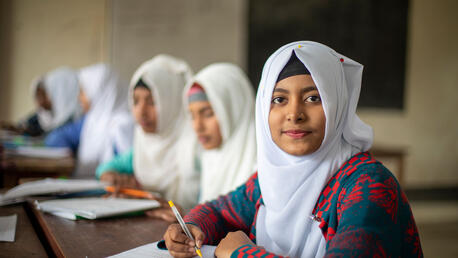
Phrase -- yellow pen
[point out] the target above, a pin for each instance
(183, 226)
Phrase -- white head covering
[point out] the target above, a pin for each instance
(108, 124)
(231, 96)
(164, 160)
(61, 86)
(291, 185)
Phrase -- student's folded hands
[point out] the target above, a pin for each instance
(178, 244)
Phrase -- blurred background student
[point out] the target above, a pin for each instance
(105, 129)
(55, 96)
(163, 157)
(220, 100)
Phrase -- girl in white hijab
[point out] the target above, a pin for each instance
(318, 192)
(108, 125)
(221, 102)
(55, 95)
(163, 155)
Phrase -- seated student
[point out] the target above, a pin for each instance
(163, 155)
(317, 192)
(220, 99)
(107, 126)
(55, 95)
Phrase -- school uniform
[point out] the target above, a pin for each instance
(357, 205)
(231, 97)
(357, 215)
(67, 136)
(122, 163)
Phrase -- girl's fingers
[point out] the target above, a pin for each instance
(177, 243)
(198, 235)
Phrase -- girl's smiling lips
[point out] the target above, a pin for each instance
(297, 133)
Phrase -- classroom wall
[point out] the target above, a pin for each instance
(84, 32)
(427, 128)
(199, 31)
(37, 36)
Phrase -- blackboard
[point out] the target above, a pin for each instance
(371, 32)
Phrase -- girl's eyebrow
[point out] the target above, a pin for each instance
(204, 109)
(303, 90)
(281, 90)
(308, 88)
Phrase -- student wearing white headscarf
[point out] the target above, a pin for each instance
(163, 158)
(220, 99)
(318, 192)
(56, 98)
(107, 126)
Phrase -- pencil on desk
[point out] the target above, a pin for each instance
(183, 226)
(130, 192)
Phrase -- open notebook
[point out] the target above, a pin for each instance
(95, 207)
(152, 250)
(48, 186)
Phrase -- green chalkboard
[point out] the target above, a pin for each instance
(372, 32)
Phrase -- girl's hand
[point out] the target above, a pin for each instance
(231, 242)
(119, 181)
(178, 244)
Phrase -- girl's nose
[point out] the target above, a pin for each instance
(295, 111)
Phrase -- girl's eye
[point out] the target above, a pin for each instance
(208, 113)
(278, 100)
(313, 99)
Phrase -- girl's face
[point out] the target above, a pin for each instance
(42, 98)
(144, 109)
(205, 124)
(297, 121)
(84, 101)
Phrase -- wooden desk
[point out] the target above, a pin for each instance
(97, 238)
(27, 243)
(13, 168)
(82, 238)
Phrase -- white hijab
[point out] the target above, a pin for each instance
(108, 124)
(61, 86)
(165, 161)
(232, 98)
(291, 185)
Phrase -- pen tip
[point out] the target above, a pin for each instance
(171, 204)
(198, 252)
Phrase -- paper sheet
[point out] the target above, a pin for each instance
(48, 186)
(151, 250)
(8, 228)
